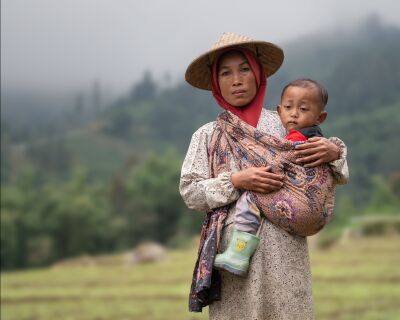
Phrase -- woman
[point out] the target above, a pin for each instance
(278, 285)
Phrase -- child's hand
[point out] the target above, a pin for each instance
(258, 179)
(316, 151)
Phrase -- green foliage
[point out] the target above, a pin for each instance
(154, 209)
(43, 223)
(5, 154)
(156, 215)
(9, 239)
(383, 201)
(370, 138)
(102, 155)
(75, 216)
(343, 212)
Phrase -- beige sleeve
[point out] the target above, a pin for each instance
(199, 191)
(339, 166)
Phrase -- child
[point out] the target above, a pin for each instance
(301, 111)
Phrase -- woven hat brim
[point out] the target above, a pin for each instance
(198, 73)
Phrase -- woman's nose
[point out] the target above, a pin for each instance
(237, 78)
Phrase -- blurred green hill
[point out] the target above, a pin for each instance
(127, 154)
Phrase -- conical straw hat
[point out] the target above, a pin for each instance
(198, 73)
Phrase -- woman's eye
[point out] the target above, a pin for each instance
(224, 73)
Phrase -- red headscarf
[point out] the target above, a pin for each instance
(249, 113)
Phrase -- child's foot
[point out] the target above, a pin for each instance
(236, 257)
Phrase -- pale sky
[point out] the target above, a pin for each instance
(57, 44)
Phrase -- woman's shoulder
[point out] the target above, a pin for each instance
(269, 116)
(271, 123)
(269, 113)
(205, 129)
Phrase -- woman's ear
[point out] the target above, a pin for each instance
(322, 116)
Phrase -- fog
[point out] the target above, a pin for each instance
(58, 45)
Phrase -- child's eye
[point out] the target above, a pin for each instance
(304, 109)
(287, 107)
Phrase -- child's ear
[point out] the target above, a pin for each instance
(278, 108)
(322, 116)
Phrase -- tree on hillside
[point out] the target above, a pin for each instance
(19, 218)
(5, 154)
(42, 223)
(145, 89)
(76, 217)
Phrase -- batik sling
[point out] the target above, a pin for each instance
(302, 206)
(305, 202)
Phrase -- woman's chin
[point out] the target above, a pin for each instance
(240, 104)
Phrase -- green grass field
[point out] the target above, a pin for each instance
(356, 280)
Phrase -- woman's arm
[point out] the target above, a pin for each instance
(317, 151)
(199, 191)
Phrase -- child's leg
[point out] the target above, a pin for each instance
(247, 215)
(243, 243)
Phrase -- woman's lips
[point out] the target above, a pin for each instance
(238, 92)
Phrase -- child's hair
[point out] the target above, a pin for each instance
(308, 83)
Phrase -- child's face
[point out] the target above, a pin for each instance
(300, 108)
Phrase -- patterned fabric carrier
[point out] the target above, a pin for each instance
(302, 206)
(305, 202)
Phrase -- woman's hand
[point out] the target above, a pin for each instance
(316, 151)
(258, 179)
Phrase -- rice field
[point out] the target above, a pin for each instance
(358, 279)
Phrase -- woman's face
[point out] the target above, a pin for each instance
(236, 79)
